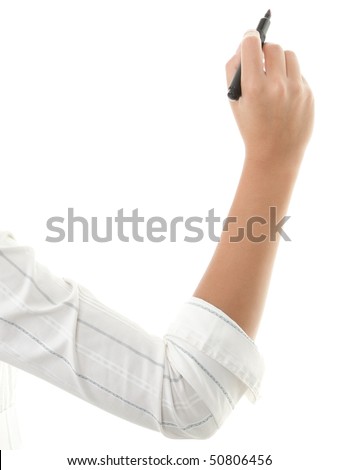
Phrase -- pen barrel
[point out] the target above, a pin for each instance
(263, 27)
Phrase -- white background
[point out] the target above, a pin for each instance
(111, 104)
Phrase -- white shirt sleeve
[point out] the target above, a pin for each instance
(183, 385)
(9, 430)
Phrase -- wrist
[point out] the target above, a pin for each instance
(268, 183)
(274, 163)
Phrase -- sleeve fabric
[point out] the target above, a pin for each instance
(9, 429)
(183, 385)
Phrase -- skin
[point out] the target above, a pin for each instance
(275, 117)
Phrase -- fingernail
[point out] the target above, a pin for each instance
(252, 32)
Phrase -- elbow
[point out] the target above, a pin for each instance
(210, 363)
(193, 406)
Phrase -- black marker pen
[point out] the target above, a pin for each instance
(235, 90)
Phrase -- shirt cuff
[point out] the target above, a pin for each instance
(214, 333)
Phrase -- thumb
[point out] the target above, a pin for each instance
(232, 65)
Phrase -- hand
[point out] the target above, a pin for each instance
(275, 113)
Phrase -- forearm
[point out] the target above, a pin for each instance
(238, 275)
(275, 117)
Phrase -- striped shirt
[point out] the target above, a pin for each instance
(183, 385)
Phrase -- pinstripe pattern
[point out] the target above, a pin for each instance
(222, 317)
(56, 325)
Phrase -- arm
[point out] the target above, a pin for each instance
(275, 118)
(183, 385)
(187, 383)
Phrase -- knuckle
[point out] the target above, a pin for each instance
(296, 87)
(279, 88)
(310, 97)
(253, 88)
(273, 48)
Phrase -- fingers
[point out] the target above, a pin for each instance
(292, 65)
(252, 57)
(249, 54)
(275, 62)
(279, 65)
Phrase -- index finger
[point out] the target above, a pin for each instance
(252, 57)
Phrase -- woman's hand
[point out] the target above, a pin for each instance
(276, 110)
